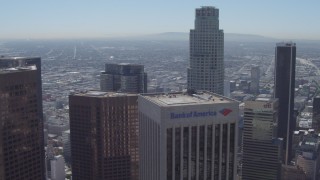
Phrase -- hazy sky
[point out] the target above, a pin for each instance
(285, 19)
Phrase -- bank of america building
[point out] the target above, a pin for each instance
(187, 136)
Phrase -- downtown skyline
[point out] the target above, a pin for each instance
(83, 19)
(174, 129)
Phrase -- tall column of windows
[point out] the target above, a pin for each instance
(201, 152)
(231, 150)
(193, 152)
(217, 151)
(209, 152)
(185, 152)
(177, 152)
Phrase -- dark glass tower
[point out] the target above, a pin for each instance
(284, 84)
(206, 69)
(21, 126)
(316, 114)
(255, 79)
(104, 136)
(12, 62)
(123, 77)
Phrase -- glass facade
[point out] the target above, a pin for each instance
(124, 77)
(284, 90)
(104, 136)
(21, 125)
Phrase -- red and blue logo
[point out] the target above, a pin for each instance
(225, 111)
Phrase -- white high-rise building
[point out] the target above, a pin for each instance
(187, 136)
(206, 70)
(56, 169)
(66, 145)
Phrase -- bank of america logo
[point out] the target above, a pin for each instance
(225, 111)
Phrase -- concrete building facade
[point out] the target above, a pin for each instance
(187, 136)
(55, 166)
(261, 146)
(66, 144)
(206, 68)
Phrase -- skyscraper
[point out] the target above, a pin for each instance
(12, 62)
(316, 114)
(284, 84)
(206, 69)
(255, 79)
(187, 136)
(261, 146)
(104, 135)
(66, 145)
(21, 126)
(123, 77)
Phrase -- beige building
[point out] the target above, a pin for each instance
(206, 68)
(187, 136)
(261, 146)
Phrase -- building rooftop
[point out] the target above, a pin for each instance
(264, 96)
(124, 64)
(16, 58)
(17, 69)
(93, 93)
(209, 7)
(184, 98)
(286, 44)
(263, 99)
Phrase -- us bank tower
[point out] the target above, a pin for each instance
(206, 68)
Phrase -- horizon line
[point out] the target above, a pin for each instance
(126, 35)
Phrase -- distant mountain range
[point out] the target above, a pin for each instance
(228, 37)
(183, 36)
